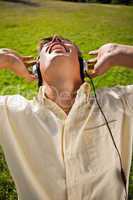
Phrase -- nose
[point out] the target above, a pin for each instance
(56, 39)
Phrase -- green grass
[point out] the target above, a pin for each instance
(88, 25)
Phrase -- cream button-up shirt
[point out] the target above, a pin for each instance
(54, 156)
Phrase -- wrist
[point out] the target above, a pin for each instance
(12, 61)
(125, 56)
(5, 61)
(114, 54)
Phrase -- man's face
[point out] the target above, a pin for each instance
(59, 60)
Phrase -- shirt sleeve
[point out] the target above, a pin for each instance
(3, 100)
(119, 96)
(127, 99)
(10, 104)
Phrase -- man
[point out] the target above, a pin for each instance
(58, 146)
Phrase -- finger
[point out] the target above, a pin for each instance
(91, 66)
(30, 63)
(93, 60)
(30, 77)
(11, 52)
(27, 58)
(6, 50)
(91, 73)
(101, 66)
(20, 69)
(91, 63)
(95, 52)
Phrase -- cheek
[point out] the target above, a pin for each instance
(76, 61)
(43, 65)
(43, 62)
(42, 70)
(74, 57)
(43, 57)
(77, 65)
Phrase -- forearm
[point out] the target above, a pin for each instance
(4, 60)
(125, 56)
(16, 63)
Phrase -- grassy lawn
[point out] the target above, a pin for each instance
(88, 25)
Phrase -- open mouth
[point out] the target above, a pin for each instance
(57, 48)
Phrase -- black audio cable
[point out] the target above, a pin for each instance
(123, 176)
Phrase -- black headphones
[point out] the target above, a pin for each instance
(36, 70)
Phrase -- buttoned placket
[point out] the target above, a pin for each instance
(68, 136)
(71, 161)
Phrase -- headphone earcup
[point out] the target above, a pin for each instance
(36, 71)
(81, 62)
(39, 75)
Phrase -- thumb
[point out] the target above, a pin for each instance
(94, 52)
(101, 66)
(30, 77)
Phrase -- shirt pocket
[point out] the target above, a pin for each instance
(98, 130)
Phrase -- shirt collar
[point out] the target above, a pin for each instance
(82, 92)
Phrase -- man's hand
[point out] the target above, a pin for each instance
(110, 55)
(104, 58)
(12, 60)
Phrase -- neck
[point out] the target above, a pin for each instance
(63, 94)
